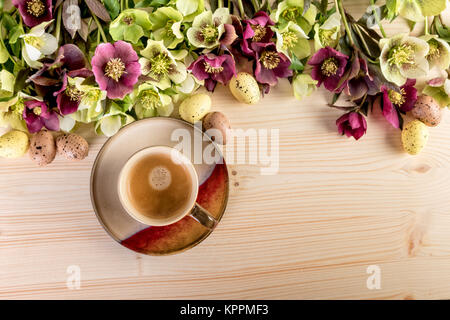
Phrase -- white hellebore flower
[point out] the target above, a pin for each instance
(38, 44)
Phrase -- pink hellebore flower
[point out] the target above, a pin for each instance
(37, 115)
(213, 69)
(328, 67)
(116, 68)
(352, 124)
(393, 101)
(34, 12)
(270, 64)
(256, 30)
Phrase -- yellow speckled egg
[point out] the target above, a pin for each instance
(414, 136)
(13, 144)
(195, 107)
(245, 88)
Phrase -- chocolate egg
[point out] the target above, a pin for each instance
(42, 148)
(427, 110)
(219, 122)
(72, 146)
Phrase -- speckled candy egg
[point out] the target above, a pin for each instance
(195, 107)
(72, 146)
(219, 122)
(427, 110)
(42, 148)
(13, 144)
(245, 88)
(414, 136)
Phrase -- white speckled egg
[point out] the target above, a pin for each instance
(245, 88)
(195, 107)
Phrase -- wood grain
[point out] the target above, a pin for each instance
(335, 207)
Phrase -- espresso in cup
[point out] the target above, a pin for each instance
(158, 186)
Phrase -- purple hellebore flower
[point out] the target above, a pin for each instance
(34, 12)
(393, 101)
(256, 30)
(68, 97)
(270, 64)
(352, 124)
(359, 80)
(213, 69)
(328, 67)
(37, 115)
(116, 68)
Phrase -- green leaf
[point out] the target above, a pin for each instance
(296, 64)
(431, 7)
(113, 7)
(15, 33)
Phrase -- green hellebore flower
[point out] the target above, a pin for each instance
(166, 23)
(403, 57)
(130, 25)
(7, 81)
(292, 40)
(162, 65)
(149, 102)
(292, 10)
(190, 8)
(207, 28)
(327, 35)
(11, 111)
(92, 103)
(439, 53)
(112, 121)
(303, 86)
(415, 10)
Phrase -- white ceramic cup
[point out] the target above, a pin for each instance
(190, 208)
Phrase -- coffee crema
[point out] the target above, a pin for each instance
(157, 187)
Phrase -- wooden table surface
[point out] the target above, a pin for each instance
(335, 208)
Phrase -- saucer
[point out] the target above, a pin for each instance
(153, 240)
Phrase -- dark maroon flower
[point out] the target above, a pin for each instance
(357, 79)
(352, 124)
(270, 64)
(34, 12)
(252, 30)
(394, 101)
(116, 68)
(328, 67)
(68, 97)
(213, 69)
(37, 115)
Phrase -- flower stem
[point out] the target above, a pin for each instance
(377, 18)
(241, 8)
(58, 24)
(426, 26)
(220, 3)
(341, 10)
(99, 26)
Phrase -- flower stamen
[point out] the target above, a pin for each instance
(291, 14)
(210, 69)
(329, 67)
(289, 39)
(115, 68)
(129, 20)
(259, 32)
(434, 51)
(402, 54)
(36, 8)
(397, 98)
(270, 59)
(209, 33)
(37, 111)
(160, 64)
(73, 93)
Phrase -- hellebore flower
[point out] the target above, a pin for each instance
(34, 12)
(116, 68)
(37, 115)
(292, 10)
(213, 69)
(439, 53)
(270, 64)
(303, 86)
(68, 98)
(149, 102)
(416, 10)
(38, 44)
(11, 112)
(257, 29)
(327, 34)
(352, 124)
(130, 25)
(208, 28)
(292, 40)
(402, 100)
(403, 57)
(161, 65)
(7, 80)
(166, 24)
(328, 67)
(112, 121)
(357, 81)
(190, 9)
